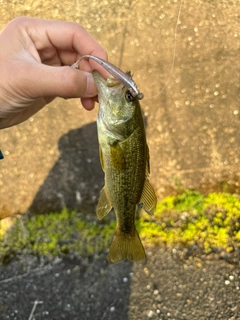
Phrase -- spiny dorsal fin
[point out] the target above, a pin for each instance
(147, 161)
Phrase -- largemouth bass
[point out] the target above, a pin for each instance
(124, 157)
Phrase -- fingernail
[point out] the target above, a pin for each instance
(91, 89)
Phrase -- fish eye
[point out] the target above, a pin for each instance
(129, 97)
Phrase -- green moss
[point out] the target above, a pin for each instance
(209, 222)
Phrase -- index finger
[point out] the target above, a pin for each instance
(65, 36)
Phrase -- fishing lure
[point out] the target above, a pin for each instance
(124, 78)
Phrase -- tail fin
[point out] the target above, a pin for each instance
(126, 247)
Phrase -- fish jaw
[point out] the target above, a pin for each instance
(115, 112)
(106, 88)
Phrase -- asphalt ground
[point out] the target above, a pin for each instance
(173, 284)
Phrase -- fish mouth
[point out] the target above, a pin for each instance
(106, 88)
(100, 83)
(98, 78)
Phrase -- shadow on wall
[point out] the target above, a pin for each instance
(76, 179)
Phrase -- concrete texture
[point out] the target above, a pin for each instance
(52, 160)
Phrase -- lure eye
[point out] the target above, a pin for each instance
(129, 97)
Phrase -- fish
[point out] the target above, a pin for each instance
(124, 157)
(125, 78)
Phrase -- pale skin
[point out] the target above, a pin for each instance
(35, 67)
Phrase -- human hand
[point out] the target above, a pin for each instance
(35, 60)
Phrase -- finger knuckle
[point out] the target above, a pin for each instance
(71, 83)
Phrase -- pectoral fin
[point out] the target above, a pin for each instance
(104, 206)
(101, 157)
(117, 157)
(148, 198)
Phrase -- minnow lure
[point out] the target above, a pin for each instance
(124, 78)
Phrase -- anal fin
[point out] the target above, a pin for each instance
(148, 198)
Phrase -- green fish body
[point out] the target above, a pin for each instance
(124, 158)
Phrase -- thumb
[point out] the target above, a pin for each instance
(65, 82)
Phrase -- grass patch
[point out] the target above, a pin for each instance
(209, 222)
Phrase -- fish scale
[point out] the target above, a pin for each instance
(127, 184)
(124, 157)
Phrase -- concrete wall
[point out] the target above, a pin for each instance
(52, 160)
